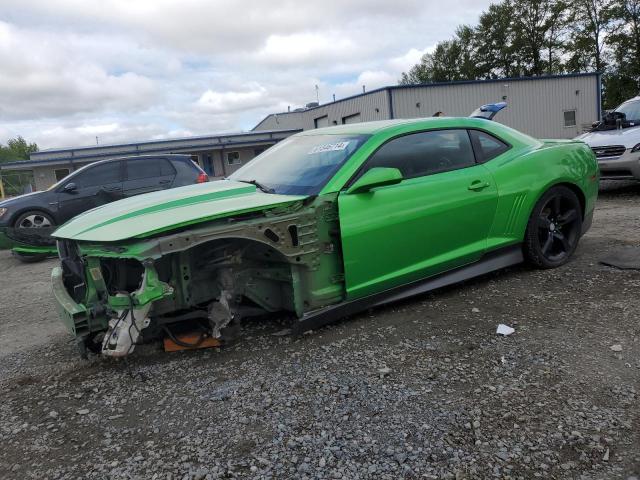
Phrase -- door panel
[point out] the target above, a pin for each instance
(95, 186)
(417, 228)
(144, 175)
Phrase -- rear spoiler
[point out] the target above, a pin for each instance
(488, 111)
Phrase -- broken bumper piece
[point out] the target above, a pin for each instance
(74, 316)
(123, 315)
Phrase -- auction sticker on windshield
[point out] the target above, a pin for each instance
(329, 147)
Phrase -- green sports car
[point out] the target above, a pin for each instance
(325, 223)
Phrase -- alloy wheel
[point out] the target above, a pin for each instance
(558, 225)
(35, 220)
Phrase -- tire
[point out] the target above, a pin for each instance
(30, 258)
(34, 219)
(554, 228)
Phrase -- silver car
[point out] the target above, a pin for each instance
(616, 142)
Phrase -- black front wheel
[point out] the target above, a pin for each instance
(554, 228)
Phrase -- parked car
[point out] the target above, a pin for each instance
(324, 224)
(28, 220)
(616, 142)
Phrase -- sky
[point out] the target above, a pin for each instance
(125, 70)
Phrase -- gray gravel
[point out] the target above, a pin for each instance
(419, 389)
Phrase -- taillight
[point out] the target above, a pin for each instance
(202, 178)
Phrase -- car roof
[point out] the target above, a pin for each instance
(169, 156)
(370, 128)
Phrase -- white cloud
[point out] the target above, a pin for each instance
(148, 69)
(232, 101)
(404, 62)
(303, 48)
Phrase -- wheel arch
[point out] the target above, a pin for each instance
(575, 189)
(564, 183)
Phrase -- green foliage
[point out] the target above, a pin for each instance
(541, 37)
(17, 149)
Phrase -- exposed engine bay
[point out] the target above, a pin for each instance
(204, 281)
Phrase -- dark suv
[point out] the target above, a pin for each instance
(94, 185)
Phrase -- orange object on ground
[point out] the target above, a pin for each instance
(193, 338)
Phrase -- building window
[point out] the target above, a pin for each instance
(570, 118)
(233, 158)
(61, 173)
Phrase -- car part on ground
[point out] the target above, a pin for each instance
(356, 216)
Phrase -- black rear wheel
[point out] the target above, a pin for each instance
(554, 228)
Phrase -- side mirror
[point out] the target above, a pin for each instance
(70, 187)
(376, 177)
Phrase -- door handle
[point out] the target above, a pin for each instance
(165, 182)
(478, 185)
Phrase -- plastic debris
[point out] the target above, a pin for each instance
(282, 333)
(504, 330)
(616, 348)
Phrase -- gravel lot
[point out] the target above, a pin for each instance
(419, 389)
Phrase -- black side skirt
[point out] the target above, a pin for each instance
(490, 262)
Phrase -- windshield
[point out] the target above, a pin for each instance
(300, 165)
(631, 109)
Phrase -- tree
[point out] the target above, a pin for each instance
(451, 60)
(538, 25)
(516, 38)
(494, 36)
(588, 23)
(17, 149)
(624, 38)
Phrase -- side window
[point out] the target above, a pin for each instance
(99, 175)
(425, 153)
(487, 146)
(148, 168)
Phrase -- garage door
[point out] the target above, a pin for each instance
(355, 118)
(322, 122)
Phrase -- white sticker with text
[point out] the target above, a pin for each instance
(329, 147)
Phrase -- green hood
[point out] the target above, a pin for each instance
(144, 215)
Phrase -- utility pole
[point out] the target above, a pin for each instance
(97, 143)
(318, 94)
(1, 186)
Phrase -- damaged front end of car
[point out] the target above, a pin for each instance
(202, 278)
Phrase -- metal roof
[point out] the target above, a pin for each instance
(175, 145)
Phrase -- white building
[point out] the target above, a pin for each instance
(557, 106)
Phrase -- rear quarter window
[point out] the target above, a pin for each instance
(486, 146)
